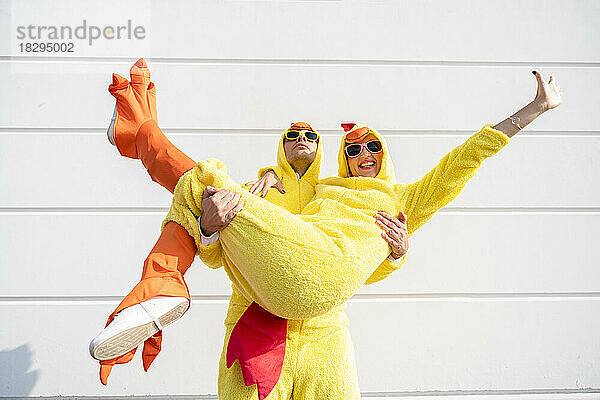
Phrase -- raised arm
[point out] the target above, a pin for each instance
(422, 199)
(547, 97)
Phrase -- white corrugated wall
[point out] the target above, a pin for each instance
(500, 297)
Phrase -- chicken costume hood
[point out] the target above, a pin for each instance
(353, 133)
(302, 190)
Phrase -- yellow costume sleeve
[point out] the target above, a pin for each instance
(441, 185)
(212, 255)
(384, 270)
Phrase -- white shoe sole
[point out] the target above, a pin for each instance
(125, 341)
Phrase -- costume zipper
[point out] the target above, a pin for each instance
(299, 197)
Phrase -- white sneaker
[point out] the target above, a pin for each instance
(133, 325)
(111, 128)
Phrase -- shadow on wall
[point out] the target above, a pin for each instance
(15, 377)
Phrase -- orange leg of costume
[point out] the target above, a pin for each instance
(174, 251)
(164, 162)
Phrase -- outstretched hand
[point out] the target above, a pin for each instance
(548, 94)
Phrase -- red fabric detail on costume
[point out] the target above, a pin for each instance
(348, 125)
(258, 343)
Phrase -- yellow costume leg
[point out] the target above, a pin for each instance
(294, 266)
(326, 367)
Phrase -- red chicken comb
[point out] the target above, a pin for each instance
(348, 126)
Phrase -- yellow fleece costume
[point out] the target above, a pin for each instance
(304, 371)
(306, 265)
(301, 266)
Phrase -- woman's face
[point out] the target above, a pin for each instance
(366, 164)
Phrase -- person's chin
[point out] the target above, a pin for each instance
(303, 153)
(303, 150)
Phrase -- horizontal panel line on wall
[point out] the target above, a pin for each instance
(131, 397)
(96, 299)
(301, 61)
(525, 394)
(576, 296)
(507, 392)
(276, 132)
(145, 210)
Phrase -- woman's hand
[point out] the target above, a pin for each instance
(266, 182)
(394, 232)
(548, 95)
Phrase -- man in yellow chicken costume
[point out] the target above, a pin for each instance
(297, 189)
(333, 240)
(303, 371)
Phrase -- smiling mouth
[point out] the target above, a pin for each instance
(367, 164)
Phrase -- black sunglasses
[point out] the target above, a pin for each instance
(354, 150)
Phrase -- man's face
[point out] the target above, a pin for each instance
(300, 150)
(366, 163)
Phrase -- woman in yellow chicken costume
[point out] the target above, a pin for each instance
(298, 267)
(307, 265)
(334, 239)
